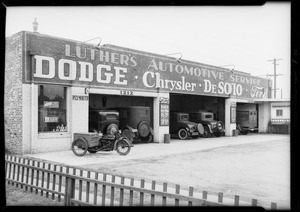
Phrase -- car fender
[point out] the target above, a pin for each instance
(151, 131)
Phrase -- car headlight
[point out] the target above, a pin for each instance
(192, 128)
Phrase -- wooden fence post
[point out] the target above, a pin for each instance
(273, 206)
(70, 190)
(164, 199)
(220, 197)
(254, 202)
(191, 191)
(152, 195)
(236, 200)
(177, 191)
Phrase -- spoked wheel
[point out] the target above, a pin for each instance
(123, 148)
(79, 147)
(182, 134)
(206, 132)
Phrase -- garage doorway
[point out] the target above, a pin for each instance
(192, 103)
(107, 102)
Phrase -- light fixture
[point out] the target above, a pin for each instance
(98, 45)
(229, 65)
(179, 59)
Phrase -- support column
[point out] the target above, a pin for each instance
(264, 117)
(228, 125)
(159, 131)
(79, 109)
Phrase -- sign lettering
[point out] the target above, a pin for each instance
(72, 64)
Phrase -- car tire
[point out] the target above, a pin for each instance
(217, 134)
(143, 129)
(244, 132)
(200, 129)
(111, 129)
(182, 134)
(147, 139)
(127, 133)
(206, 133)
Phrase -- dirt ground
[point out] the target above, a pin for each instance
(252, 171)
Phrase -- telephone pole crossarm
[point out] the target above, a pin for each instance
(275, 74)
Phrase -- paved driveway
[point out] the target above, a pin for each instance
(156, 149)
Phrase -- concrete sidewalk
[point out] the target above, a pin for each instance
(140, 151)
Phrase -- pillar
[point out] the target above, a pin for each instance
(159, 131)
(229, 127)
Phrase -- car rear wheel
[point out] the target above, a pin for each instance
(144, 129)
(147, 139)
(206, 133)
(182, 134)
(217, 134)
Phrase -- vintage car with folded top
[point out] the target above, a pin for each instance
(183, 127)
(135, 123)
(104, 121)
(211, 126)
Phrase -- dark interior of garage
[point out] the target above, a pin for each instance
(194, 103)
(105, 102)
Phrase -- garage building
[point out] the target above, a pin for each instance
(51, 84)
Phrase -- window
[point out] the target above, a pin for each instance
(279, 112)
(52, 112)
(208, 116)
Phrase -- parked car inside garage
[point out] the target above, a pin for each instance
(135, 123)
(211, 126)
(105, 121)
(183, 127)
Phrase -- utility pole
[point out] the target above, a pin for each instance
(275, 75)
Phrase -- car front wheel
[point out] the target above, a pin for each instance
(182, 134)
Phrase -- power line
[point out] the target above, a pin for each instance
(275, 74)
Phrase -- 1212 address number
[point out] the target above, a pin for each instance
(127, 93)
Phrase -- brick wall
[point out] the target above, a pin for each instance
(13, 94)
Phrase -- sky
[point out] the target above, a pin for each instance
(242, 38)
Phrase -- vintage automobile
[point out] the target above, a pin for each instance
(135, 123)
(182, 127)
(105, 121)
(211, 126)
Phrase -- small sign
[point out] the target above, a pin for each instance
(126, 93)
(80, 98)
(164, 114)
(51, 119)
(232, 115)
(51, 104)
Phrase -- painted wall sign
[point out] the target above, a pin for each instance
(164, 111)
(65, 62)
(80, 98)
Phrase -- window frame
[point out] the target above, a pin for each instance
(48, 134)
(279, 114)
